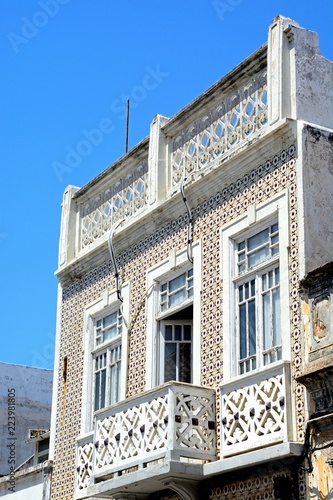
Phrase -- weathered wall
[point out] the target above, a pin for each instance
(317, 180)
(32, 390)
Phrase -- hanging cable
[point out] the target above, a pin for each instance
(190, 223)
(113, 258)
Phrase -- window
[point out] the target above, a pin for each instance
(106, 323)
(43, 450)
(173, 319)
(257, 288)
(176, 360)
(175, 314)
(176, 290)
(107, 359)
(254, 265)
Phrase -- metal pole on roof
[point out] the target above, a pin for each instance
(127, 124)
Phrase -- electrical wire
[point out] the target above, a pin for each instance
(113, 258)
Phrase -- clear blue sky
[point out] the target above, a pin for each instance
(66, 67)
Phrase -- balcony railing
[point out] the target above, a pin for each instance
(255, 410)
(236, 118)
(172, 422)
(121, 198)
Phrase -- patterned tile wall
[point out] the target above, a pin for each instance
(257, 186)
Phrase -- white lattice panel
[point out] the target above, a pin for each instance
(254, 412)
(119, 200)
(84, 464)
(134, 432)
(195, 425)
(236, 118)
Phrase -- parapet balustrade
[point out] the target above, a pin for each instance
(175, 421)
(237, 117)
(119, 199)
(255, 410)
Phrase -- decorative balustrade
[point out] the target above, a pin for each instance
(209, 138)
(120, 199)
(255, 410)
(171, 422)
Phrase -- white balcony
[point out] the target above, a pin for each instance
(172, 424)
(256, 410)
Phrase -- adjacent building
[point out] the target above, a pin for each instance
(25, 415)
(194, 331)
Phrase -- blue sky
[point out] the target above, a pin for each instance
(67, 68)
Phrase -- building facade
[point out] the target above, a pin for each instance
(186, 276)
(25, 415)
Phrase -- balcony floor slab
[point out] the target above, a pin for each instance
(282, 451)
(147, 480)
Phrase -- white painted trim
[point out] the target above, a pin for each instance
(106, 302)
(56, 374)
(176, 262)
(276, 207)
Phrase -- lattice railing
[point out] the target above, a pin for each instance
(171, 422)
(236, 118)
(84, 461)
(254, 410)
(118, 200)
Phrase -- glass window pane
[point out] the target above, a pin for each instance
(259, 256)
(110, 319)
(242, 331)
(170, 356)
(241, 256)
(240, 293)
(258, 239)
(252, 327)
(266, 321)
(241, 245)
(103, 388)
(184, 372)
(177, 298)
(176, 283)
(168, 332)
(97, 390)
(178, 332)
(187, 332)
(276, 317)
(274, 228)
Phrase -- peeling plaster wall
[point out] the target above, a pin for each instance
(317, 175)
(33, 395)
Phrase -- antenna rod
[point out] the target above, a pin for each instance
(127, 123)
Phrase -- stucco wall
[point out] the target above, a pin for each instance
(32, 390)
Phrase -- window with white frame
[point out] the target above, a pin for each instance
(107, 359)
(173, 318)
(257, 288)
(176, 320)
